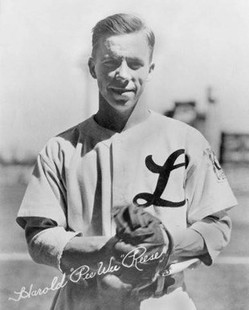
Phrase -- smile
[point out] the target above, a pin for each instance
(121, 91)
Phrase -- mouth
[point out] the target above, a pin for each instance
(122, 91)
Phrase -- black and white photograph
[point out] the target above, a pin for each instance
(124, 155)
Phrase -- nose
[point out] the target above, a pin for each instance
(123, 71)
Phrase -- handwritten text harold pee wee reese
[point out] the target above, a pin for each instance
(131, 260)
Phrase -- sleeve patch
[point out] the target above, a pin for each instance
(215, 164)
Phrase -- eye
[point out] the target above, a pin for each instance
(111, 63)
(135, 65)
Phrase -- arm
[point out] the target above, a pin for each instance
(43, 216)
(204, 239)
(83, 251)
(209, 196)
(216, 231)
(189, 243)
(52, 245)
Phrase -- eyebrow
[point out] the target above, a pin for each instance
(129, 59)
(135, 59)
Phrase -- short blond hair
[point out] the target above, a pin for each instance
(121, 24)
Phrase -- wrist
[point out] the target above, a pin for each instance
(82, 251)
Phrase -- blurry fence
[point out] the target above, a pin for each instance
(234, 148)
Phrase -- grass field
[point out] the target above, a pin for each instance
(224, 286)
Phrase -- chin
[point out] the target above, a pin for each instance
(122, 105)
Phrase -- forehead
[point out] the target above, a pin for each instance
(124, 45)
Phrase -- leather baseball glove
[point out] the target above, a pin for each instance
(142, 248)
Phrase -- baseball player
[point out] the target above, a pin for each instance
(121, 202)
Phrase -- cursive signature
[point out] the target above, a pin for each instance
(134, 258)
(25, 293)
(137, 256)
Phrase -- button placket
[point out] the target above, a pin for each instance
(118, 172)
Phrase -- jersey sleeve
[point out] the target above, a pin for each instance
(43, 210)
(47, 246)
(45, 195)
(216, 232)
(209, 196)
(207, 188)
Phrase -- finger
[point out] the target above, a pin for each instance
(113, 282)
(123, 247)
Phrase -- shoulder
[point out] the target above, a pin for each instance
(167, 122)
(66, 142)
(181, 134)
(176, 128)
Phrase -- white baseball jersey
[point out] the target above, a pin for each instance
(161, 164)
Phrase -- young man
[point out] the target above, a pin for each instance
(123, 155)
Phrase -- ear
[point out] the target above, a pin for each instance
(91, 66)
(151, 69)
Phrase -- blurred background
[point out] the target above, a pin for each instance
(201, 77)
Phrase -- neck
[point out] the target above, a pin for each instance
(118, 121)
